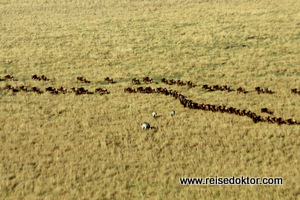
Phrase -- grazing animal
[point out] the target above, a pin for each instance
(146, 126)
(172, 113)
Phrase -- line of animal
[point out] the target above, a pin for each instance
(178, 82)
(60, 90)
(40, 78)
(23, 88)
(53, 90)
(215, 108)
(81, 90)
(82, 79)
(217, 87)
(266, 90)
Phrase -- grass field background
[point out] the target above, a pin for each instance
(92, 146)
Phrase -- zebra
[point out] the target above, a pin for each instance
(172, 113)
(154, 114)
(146, 126)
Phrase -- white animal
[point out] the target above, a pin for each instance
(145, 126)
(172, 113)
(154, 114)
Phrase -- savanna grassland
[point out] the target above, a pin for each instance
(71, 146)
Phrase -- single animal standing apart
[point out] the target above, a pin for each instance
(172, 113)
(154, 114)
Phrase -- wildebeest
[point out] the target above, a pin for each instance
(259, 90)
(101, 90)
(130, 90)
(295, 91)
(82, 79)
(37, 90)
(136, 81)
(240, 90)
(50, 89)
(269, 91)
(291, 121)
(8, 87)
(190, 84)
(164, 81)
(62, 90)
(109, 80)
(148, 79)
(172, 81)
(179, 82)
(23, 88)
(266, 110)
(9, 77)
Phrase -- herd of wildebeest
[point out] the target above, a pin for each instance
(184, 101)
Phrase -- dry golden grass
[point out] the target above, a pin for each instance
(92, 146)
